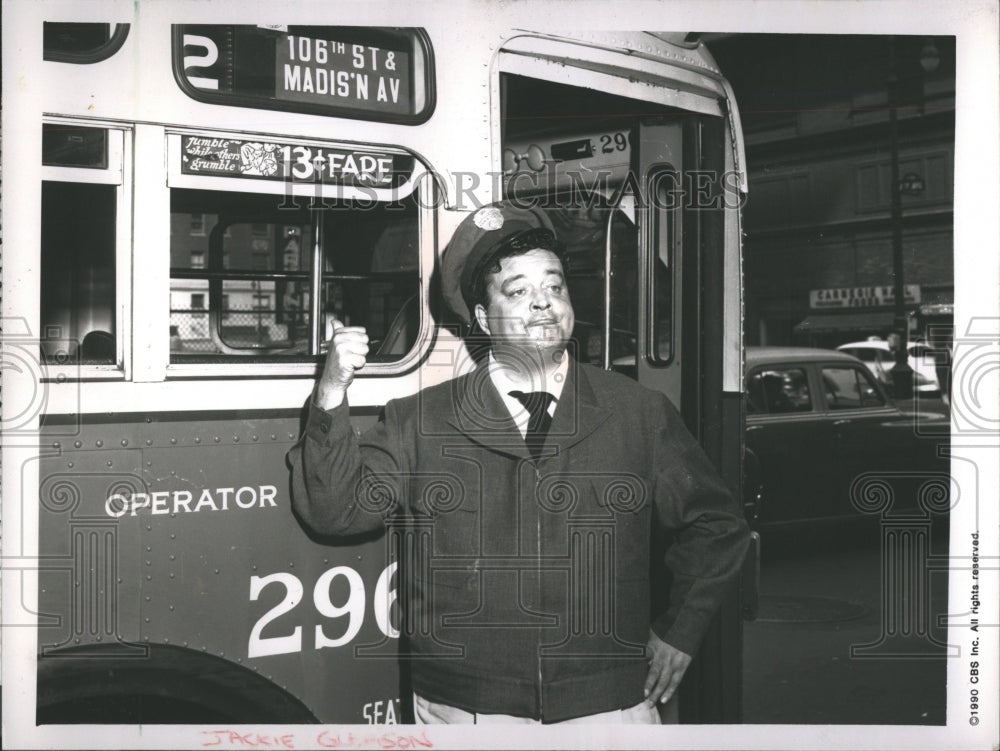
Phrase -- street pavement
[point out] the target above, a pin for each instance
(798, 666)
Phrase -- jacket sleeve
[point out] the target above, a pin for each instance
(710, 535)
(341, 484)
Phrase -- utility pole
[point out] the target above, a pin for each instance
(902, 373)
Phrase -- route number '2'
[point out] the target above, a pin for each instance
(353, 608)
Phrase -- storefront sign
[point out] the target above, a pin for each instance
(862, 297)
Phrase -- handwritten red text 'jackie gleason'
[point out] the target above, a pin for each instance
(325, 739)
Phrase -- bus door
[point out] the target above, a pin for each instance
(689, 339)
(634, 189)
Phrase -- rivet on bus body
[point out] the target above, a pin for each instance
(173, 535)
(145, 638)
(119, 580)
(184, 643)
(55, 444)
(149, 441)
(149, 548)
(236, 439)
(124, 441)
(172, 574)
(171, 607)
(148, 598)
(173, 557)
(173, 440)
(77, 444)
(149, 563)
(109, 462)
(149, 527)
(149, 419)
(216, 439)
(274, 437)
(69, 464)
(76, 640)
(253, 438)
(292, 436)
(147, 620)
(149, 578)
(149, 462)
(197, 439)
(100, 443)
(216, 571)
(100, 638)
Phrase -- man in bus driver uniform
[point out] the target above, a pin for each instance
(539, 479)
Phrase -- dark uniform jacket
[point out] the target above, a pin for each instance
(526, 586)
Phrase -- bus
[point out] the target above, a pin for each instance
(192, 193)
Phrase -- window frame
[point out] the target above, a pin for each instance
(118, 174)
(421, 184)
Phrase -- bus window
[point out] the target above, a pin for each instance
(663, 263)
(244, 276)
(81, 43)
(78, 273)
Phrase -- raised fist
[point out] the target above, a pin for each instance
(348, 350)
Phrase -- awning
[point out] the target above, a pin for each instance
(825, 323)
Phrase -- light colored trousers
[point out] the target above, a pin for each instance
(431, 713)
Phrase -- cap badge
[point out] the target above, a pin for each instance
(488, 218)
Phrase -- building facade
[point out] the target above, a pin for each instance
(819, 223)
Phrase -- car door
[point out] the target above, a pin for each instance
(790, 435)
(875, 444)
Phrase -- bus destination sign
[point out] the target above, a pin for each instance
(264, 160)
(366, 73)
(356, 75)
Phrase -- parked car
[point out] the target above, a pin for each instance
(827, 444)
(879, 359)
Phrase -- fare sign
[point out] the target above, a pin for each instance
(266, 160)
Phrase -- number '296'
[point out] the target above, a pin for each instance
(353, 608)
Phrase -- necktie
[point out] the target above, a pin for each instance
(537, 403)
